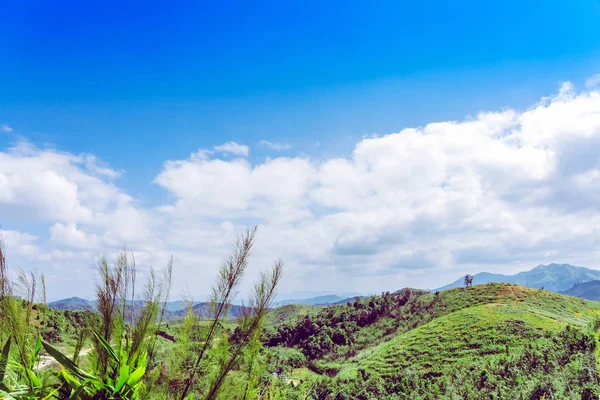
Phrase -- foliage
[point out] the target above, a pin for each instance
(489, 341)
(492, 341)
(127, 360)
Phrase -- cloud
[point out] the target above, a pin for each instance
(20, 244)
(47, 185)
(233, 148)
(6, 128)
(96, 167)
(69, 236)
(274, 145)
(502, 191)
(593, 82)
(447, 189)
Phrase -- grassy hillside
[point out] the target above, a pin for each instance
(514, 316)
(494, 341)
(487, 341)
(512, 333)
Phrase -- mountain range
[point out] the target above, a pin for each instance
(561, 278)
(552, 277)
(173, 310)
(313, 301)
(176, 309)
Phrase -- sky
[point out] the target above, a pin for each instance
(376, 146)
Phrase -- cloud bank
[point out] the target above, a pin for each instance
(499, 191)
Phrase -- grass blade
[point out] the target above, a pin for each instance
(136, 376)
(107, 347)
(4, 358)
(67, 363)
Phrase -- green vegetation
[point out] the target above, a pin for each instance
(126, 360)
(493, 341)
(289, 313)
(488, 341)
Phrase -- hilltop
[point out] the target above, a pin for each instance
(553, 277)
(454, 343)
(503, 321)
(73, 304)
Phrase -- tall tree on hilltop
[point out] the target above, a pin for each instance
(468, 280)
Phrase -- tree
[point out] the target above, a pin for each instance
(468, 280)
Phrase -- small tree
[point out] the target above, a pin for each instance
(468, 280)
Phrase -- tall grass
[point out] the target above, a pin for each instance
(18, 336)
(123, 362)
(225, 288)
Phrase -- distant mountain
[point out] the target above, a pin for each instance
(204, 310)
(73, 304)
(553, 277)
(586, 290)
(178, 305)
(348, 300)
(173, 309)
(177, 309)
(313, 301)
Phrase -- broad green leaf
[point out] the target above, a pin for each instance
(36, 350)
(4, 358)
(143, 359)
(99, 385)
(123, 355)
(70, 379)
(123, 377)
(136, 376)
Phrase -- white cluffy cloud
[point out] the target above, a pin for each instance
(274, 145)
(233, 148)
(502, 191)
(5, 128)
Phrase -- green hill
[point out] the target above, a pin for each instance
(516, 315)
(488, 341)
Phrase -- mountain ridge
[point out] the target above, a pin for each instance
(586, 290)
(173, 310)
(553, 277)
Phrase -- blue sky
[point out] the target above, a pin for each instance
(137, 85)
